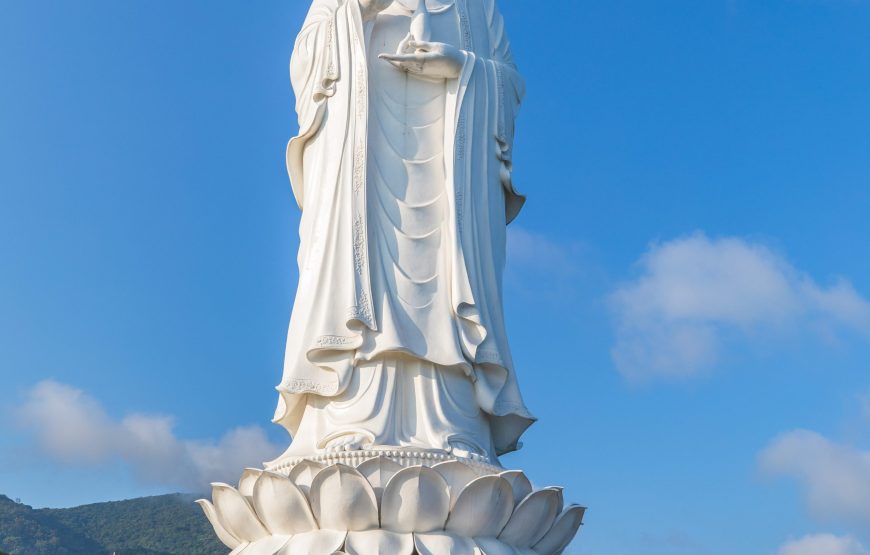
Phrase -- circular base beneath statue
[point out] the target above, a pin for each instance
(393, 502)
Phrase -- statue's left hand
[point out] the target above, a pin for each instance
(429, 59)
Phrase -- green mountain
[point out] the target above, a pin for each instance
(164, 525)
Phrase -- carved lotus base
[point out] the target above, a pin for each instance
(381, 507)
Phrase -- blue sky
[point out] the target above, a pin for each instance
(687, 289)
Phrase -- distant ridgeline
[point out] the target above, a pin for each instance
(164, 525)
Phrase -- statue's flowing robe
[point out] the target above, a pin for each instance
(334, 321)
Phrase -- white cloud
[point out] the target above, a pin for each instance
(542, 267)
(529, 249)
(824, 544)
(72, 427)
(834, 476)
(693, 291)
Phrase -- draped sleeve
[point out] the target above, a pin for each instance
(511, 90)
(490, 72)
(314, 70)
(488, 95)
(326, 161)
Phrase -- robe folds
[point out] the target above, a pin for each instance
(334, 321)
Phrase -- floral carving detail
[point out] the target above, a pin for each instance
(499, 78)
(467, 39)
(331, 73)
(334, 341)
(363, 310)
(359, 168)
(361, 96)
(359, 237)
(460, 138)
(461, 144)
(311, 386)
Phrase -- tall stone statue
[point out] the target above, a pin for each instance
(399, 390)
(403, 171)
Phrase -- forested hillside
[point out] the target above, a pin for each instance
(164, 525)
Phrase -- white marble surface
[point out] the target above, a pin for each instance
(383, 508)
(403, 171)
(399, 388)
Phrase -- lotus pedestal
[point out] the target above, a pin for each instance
(390, 503)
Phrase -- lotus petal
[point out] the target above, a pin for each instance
(342, 499)
(439, 543)
(562, 532)
(492, 546)
(417, 499)
(320, 542)
(236, 514)
(281, 505)
(223, 534)
(483, 509)
(266, 546)
(303, 474)
(378, 472)
(377, 542)
(533, 518)
(240, 549)
(247, 481)
(458, 475)
(519, 483)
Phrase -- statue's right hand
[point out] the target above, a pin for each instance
(371, 8)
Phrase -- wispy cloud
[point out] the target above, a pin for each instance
(533, 249)
(73, 428)
(691, 291)
(824, 544)
(542, 265)
(834, 476)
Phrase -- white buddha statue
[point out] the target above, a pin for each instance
(403, 171)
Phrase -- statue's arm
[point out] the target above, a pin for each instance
(315, 69)
(511, 90)
(314, 66)
(511, 82)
